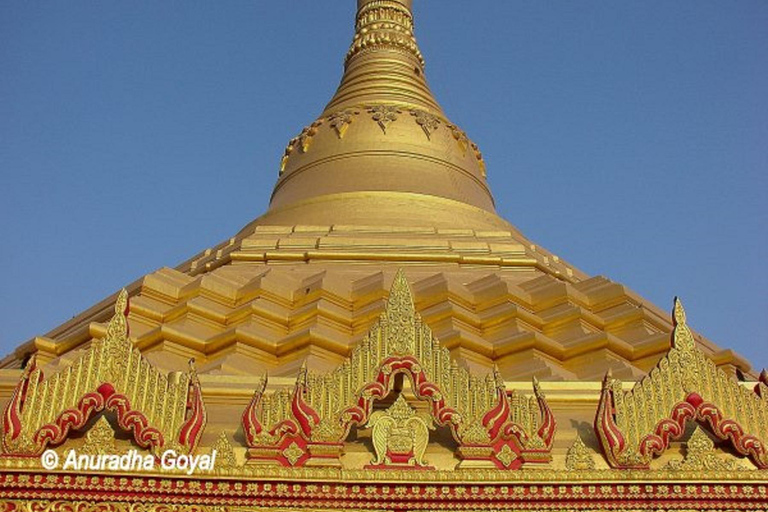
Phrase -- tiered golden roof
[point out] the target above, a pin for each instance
(382, 179)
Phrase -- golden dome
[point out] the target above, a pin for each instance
(383, 151)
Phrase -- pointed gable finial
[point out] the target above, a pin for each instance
(400, 317)
(679, 312)
(400, 292)
(682, 337)
(117, 329)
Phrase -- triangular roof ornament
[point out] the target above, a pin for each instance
(635, 426)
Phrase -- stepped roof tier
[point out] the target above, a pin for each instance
(381, 316)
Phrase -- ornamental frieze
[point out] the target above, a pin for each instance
(160, 411)
(384, 24)
(106, 494)
(308, 425)
(635, 426)
(383, 114)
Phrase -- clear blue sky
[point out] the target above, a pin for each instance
(630, 138)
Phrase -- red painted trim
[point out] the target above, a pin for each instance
(502, 430)
(693, 408)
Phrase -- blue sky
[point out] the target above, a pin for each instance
(630, 138)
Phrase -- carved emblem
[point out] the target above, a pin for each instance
(579, 457)
(400, 435)
(305, 137)
(384, 114)
(100, 439)
(480, 161)
(341, 120)
(400, 319)
(700, 455)
(428, 122)
(302, 141)
(288, 150)
(506, 455)
(225, 453)
(293, 453)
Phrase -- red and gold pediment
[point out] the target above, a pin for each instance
(308, 425)
(635, 426)
(161, 411)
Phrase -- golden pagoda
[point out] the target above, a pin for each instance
(380, 339)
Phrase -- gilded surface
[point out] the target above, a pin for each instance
(684, 385)
(387, 24)
(701, 478)
(111, 374)
(383, 115)
(225, 453)
(701, 455)
(475, 407)
(579, 457)
(70, 493)
(100, 439)
(400, 431)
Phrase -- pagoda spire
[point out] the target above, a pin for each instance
(384, 62)
(383, 152)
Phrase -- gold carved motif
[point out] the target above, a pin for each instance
(384, 114)
(288, 150)
(341, 120)
(480, 160)
(460, 137)
(701, 455)
(100, 439)
(225, 453)
(506, 456)
(400, 431)
(293, 453)
(428, 122)
(305, 137)
(579, 457)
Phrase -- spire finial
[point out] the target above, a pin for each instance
(385, 25)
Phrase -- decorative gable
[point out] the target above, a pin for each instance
(162, 411)
(637, 425)
(490, 425)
